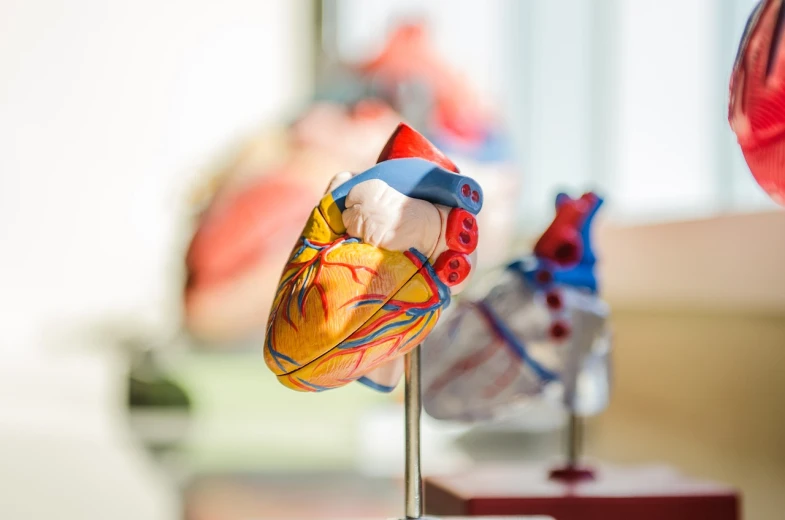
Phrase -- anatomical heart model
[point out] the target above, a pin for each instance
(539, 331)
(255, 210)
(374, 268)
(757, 97)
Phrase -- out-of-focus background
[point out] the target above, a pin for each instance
(114, 119)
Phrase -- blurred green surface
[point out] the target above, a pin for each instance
(244, 420)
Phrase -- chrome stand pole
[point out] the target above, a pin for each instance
(574, 440)
(413, 409)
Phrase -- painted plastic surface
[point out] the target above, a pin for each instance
(419, 179)
(538, 329)
(757, 97)
(347, 310)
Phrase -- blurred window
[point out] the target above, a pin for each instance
(628, 97)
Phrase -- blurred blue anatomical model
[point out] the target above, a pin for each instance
(537, 330)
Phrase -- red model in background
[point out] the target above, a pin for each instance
(757, 97)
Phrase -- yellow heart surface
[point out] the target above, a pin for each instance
(344, 307)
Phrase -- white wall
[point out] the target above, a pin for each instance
(105, 108)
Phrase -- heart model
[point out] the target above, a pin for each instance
(757, 97)
(374, 267)
(538, 332)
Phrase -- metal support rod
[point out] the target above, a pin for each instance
(413, 408)
(574, 440)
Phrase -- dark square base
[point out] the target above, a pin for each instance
(615, 493)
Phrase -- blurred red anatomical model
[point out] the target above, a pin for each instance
(757, 97)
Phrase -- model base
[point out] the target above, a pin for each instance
(430, 517)
(602, 493)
